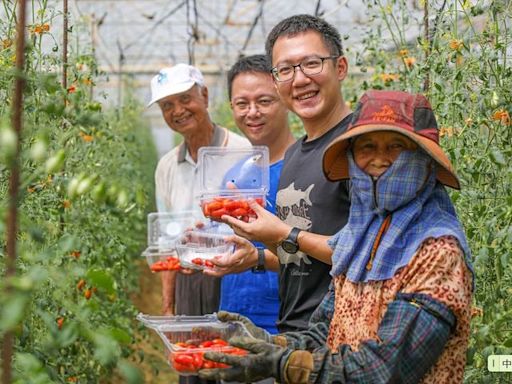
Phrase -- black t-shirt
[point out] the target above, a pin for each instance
(307, 200)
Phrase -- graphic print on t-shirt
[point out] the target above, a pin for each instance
(293, 209)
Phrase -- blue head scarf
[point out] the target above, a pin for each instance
(419, 207)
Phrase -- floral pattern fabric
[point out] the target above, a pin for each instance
(438, 269)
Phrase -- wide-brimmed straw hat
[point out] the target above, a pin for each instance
(408, 114)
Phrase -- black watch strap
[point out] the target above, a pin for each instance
(290, 244)
(293, 235)
(260, 267)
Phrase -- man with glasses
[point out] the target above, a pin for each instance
(308, 68)
(262, 117)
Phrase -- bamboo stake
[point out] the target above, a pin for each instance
(14, 180)
(65, 46)
(426, 83)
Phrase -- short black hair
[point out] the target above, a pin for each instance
(252, 63)
(303, 23)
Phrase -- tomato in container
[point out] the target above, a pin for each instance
(188, 338)
(229, 177)
(196, 249)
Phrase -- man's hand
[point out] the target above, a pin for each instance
(264, 360)
(244, 257)
(256, 332)
(266, 228)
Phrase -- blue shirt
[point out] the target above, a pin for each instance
(255, 295)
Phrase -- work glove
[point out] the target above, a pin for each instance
(256, 332)
(263, 361)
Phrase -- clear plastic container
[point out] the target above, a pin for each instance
(164, 229)
(187, 338)
(236, 174)
(196, 249)
(161, 260)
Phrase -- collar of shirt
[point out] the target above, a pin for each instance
(219, 139)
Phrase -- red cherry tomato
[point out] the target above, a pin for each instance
(220, 342)
(198, 360)
(218, 213)
(182, 367)
(184, 358)
(215, 205)
(197, 261)
(231, 205)
(239, 212)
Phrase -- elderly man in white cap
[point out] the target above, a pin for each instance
(182, 96)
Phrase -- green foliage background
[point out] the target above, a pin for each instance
(86, 187)
(87, 184)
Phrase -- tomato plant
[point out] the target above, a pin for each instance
(87, 179)
(86, 186)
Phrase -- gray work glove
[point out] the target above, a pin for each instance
(263, 361)
(256, 332)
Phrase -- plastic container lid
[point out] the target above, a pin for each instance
(181, 328)
(154, 322)
(165, 228)
(223, 170)
(196, 248)
(216, 227)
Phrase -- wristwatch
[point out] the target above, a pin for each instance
(290, 244)
(260, 267)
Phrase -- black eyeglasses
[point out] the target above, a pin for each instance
(309, 66)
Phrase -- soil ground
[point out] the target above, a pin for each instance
(153, 365)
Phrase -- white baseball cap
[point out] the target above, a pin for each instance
(173, 80)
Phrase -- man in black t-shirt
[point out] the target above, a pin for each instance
(308, 69)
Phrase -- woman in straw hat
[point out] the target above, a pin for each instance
(398, 309)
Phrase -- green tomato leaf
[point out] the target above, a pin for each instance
(107, 349)
(26, 362)
(12, 310)
(102, 280)
(497, 157)
(131, 374)
(508, 343)
(504, 258)
(482, 256)
(67, 243)
(121, 335)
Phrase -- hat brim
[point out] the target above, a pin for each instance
(335, 163)
(179, 88)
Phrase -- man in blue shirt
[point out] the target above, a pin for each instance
(261, 116)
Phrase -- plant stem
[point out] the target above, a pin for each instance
(14, 180)
(426, 83)
(65, 45)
